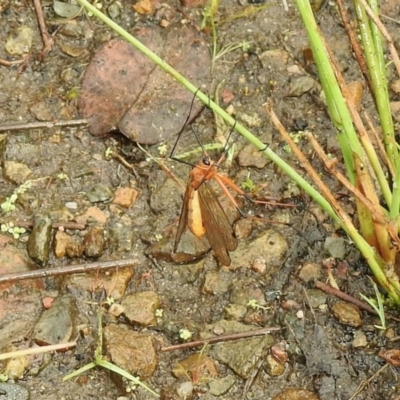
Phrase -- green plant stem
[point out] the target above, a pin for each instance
(373, 50)
(337, 107)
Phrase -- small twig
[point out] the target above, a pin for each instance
(163, 167)
(309, 304)
(37, 350)
(375, 211)
(47, 40)
(221, 338)
(367, 382)
(65, 225)
(350, 299)
(41, 125)
(379, 143)
(7, 63)
(68, 269)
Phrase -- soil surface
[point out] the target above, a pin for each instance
(90, 194)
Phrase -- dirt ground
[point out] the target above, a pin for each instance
(127, 206)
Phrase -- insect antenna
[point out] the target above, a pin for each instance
(171, 156)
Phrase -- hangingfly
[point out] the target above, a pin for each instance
(202, 212)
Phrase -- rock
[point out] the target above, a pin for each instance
(242, 355)
(131, 351)
(140, 308)
(336, 247)
(14, 259)
(166, 197)
(114, 284)
(42, 111)
(125, 197)
(235, 311)
(144, 7)
(347, 314)
(58, 324)
(274, 59)
(94, 242)
(198, 366)
(250, 156)
(273, 367)
(219, 387)
(38, 245)
(94, 214)
(12, 391)
(296, 394)
(300, 85)
(269, 247)
(121, 237)
(15, 367)
(185, 390)
(65, 244)
(15, 172)
(19, 41)
(360, 339)
(3, 144)
(310, 272)
(247, 289)
(217, 282)
(316, 297)
(99, 193)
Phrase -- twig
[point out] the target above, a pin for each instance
(66, 225)
(37, 350)
(68, 269)
(367, 382)
(378, 143)
(375, 211)
(41, 125)
(350, 299)
(163, 167)
(7, 63)
(47, 40)
(221, 338)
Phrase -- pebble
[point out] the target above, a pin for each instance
(335, 247)
(19, 41)
(38, 245)
(140, 308)
(94, 242)
(347, 314)
(58, 323)
(125, 197)
(360, 339)
(15, 172)
(133, 352)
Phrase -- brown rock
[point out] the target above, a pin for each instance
(144, 7)
(347, 314)
(94, 242)
(93, 213)
(131, 351)
(198, 366)
(15, 172)
(125, 197)
(296, 394)
(140, 308)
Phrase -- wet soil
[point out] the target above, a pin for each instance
(325, 352)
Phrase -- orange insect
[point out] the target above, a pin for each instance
(202, 212)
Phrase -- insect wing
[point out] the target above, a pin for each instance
(183, 219)
(218, 228)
